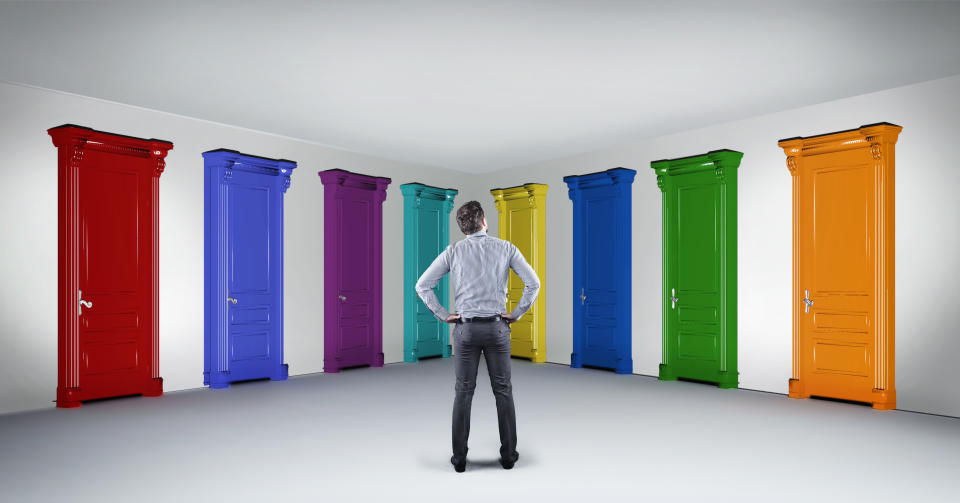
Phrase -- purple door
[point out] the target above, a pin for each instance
(352, 269)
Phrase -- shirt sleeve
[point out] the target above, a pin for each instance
(531, 284)
(429, 279)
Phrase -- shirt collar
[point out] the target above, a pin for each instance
(478, 234)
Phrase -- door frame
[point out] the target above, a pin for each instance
(534, 195)
(878, 142)
(219, 167)
(414, 195)
(723, 164)
(335, 183)
(148, 155)
(621, 181)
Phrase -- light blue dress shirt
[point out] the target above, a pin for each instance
(480, 265)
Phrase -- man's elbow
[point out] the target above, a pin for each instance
(421, 287)
(534, 284)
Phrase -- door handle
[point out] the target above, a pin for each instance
(806, 300)
(673, 298)
(82, 303)
(582, 297)
(231, 299)
(342, 298)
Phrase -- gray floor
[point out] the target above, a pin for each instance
(383, 434)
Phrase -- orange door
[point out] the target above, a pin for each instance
(843, 264)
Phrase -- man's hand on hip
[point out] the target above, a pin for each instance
(453, 318)
(507, 318)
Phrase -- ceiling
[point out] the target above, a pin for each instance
(481, 85)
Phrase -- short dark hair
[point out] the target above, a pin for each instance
(470, 217)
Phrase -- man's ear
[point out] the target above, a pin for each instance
(484, 222)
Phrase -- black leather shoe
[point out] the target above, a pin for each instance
(508, 463)
(458, 464)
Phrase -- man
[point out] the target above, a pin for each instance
(480, 266)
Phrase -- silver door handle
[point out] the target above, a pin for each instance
(82, 303)
(582, 297)
(342, 298)
(231, 299)
(673, 298)
(806, 300)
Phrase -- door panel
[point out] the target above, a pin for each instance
(841, 226)
(522, 333)
(110, 357)
(113, 268)
(252, 346)
(106, 322)
(356, 337)
(429, 237)
(697, 327)
(249, 233)
(250, 315)
(429, 336)
(697, 346)
(251, 201)
(836, 331)
(600, 214)
(599, 279)
(522, 220)
(698, 238)
(109, 230)
(830, 356)
(520, 231)
(355, 215)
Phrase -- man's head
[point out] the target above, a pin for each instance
(470, 218)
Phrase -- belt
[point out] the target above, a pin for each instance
(477, 319)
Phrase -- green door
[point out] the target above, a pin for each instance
(426, 233)
(700, 267)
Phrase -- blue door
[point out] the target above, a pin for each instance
(601, 269)
(243, 338)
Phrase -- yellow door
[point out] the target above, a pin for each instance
(522, 222)
(843, 265)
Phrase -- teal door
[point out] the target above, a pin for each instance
(700, 267)
(426, 233)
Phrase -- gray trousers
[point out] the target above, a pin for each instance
(492, 339)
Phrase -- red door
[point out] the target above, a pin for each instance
(108, 309)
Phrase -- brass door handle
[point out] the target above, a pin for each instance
(673, 298)
(806, 300)
(342, 298)
(231, 299)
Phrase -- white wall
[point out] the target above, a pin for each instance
(28, 223)
(927, 245)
